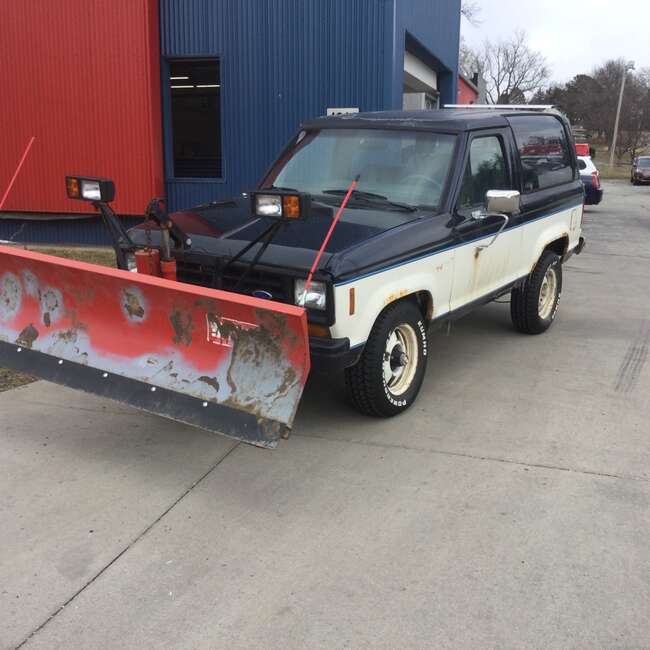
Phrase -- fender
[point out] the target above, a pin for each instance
(565, 227)
(431, 276)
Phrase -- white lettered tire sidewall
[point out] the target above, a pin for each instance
(366, 381)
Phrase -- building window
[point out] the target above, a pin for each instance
(195, 86)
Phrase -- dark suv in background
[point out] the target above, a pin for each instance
(640, 170)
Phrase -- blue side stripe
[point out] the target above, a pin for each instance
(451, 247)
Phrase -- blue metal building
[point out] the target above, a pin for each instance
(237, 77)
(285, 61)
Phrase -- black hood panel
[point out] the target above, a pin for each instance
(222, 230)
(231, 220)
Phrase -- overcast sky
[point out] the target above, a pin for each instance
(574, 35)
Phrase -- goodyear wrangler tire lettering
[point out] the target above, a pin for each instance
(389, 375)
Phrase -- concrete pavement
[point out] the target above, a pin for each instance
(508, 508)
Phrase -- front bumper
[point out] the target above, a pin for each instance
(332, 355)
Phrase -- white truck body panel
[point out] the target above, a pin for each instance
(453, 277)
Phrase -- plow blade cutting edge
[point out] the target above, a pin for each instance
(225, 362)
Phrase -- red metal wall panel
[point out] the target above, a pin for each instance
(83, 77)
(467, 94)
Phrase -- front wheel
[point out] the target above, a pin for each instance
(389, 374)
(533, 306)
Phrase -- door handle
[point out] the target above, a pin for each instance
(484, 215)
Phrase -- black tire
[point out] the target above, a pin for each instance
(368, 389)
(527, 315)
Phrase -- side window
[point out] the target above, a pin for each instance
(544, 151)
(581, 164)
(485, 170)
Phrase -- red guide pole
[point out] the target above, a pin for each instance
(15, 176)
(314, 266)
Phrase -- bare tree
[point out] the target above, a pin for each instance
(590, 101)
(511, 69)
(468, 63)
(471, 11)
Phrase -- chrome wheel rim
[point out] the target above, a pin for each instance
(400, 359)
(547, 294)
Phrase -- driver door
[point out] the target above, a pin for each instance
(480, 270)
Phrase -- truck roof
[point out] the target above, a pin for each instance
(453, 120)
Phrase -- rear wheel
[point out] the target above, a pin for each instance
(533, 306)
(389, 374)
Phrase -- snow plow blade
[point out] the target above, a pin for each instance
(225, 362)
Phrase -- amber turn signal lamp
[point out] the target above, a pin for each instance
(318, 330)
(291, 206)
(72, 188)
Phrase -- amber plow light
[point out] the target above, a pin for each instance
(72, 188)
(86, 188)
(281, 206)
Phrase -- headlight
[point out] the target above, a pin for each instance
(279, 205)
(85, 188)
(131, 263)
(90, 191)
(314, 298)
(268, 205)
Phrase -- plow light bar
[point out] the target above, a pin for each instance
(280, 205)
(84, 188)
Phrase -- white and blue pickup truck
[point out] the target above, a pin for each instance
(452, 209)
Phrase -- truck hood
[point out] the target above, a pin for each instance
(224, 228)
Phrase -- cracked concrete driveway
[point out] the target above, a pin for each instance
(509, 508)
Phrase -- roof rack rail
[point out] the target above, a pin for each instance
(506, 107)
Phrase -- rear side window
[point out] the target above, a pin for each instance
(544, 151)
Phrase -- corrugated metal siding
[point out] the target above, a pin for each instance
(83, 77)
(80, 231)
(467, 94)
(282, 62)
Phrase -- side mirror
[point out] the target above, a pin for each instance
(503, 201)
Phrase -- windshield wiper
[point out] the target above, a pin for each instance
(371, 196)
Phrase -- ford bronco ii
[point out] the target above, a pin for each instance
(453, 208)
(366, 230)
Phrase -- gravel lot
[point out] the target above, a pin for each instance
(510, 508)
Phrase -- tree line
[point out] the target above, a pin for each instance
(514, 73)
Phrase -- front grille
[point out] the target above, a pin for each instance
(279, 286)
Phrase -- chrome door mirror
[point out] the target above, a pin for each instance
(498, 203)
(502, 201)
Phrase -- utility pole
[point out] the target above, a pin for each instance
(626, 68)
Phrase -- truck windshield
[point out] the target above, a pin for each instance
(398, 168)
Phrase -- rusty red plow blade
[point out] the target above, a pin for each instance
(228, 363)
